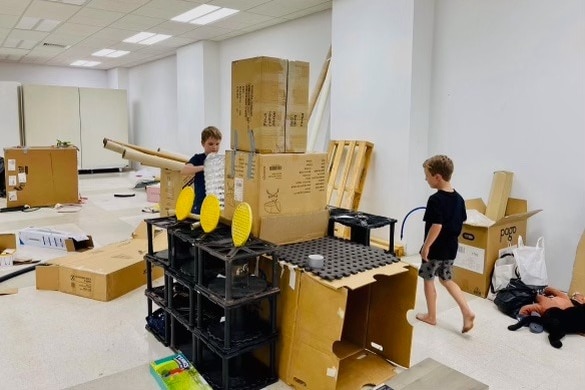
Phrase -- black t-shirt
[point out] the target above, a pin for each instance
(199, 182)
(446, 209)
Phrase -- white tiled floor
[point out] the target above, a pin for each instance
(51, 340)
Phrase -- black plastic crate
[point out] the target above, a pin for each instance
(251, 370)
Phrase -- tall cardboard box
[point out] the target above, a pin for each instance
(480, 245)
(344, 334)
(287, 193)
(41, 176)
(270, 99)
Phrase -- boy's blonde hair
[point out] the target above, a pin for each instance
(210, 132)
(439, 164)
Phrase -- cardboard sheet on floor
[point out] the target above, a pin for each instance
(102, 273)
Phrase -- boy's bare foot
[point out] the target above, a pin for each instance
(468, 323)
(424, 317)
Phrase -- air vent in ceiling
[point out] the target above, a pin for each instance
(47, 44)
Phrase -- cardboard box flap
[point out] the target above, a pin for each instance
(475, 204)
(578, 280)
(516, 217)
(361, 369)
(364, 278)
(7, 241)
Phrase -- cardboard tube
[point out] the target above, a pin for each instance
(111, 144)
(174, 156)
(153, 161)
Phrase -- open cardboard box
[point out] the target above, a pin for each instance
(53, 239)
(102, 273)
(481, 246)
(344, 334)
(7, 242)
(578, 280)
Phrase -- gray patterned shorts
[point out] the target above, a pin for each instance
(441, 268)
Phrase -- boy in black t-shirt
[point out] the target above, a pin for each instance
(210, 140)
(444, 217)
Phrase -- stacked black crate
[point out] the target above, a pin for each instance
(219, 303)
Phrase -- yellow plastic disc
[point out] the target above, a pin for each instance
(241, 224)
(184, 203)
(210, 211)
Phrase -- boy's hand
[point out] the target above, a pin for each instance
(424, 253)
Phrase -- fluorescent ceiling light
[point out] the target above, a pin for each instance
(27, 23)
(155, 39)
(195, 13)
(139, 37)
(85, 63)
(146, 38)
(214, 16)
(110, 53)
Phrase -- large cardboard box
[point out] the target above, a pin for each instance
(269, 105)
(578, 280)
(102, 274)
(41, 176)
(287, 193)
(481, 245)
(344, 334)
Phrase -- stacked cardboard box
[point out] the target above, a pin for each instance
(267, 166)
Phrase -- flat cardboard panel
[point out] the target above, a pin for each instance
(41, 176)
(261, 87)
(499, 194)
(578, 280)
(289, 229)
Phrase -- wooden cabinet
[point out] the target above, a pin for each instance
(82, 116)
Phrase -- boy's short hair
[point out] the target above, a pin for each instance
(439, 164)
(210, 132)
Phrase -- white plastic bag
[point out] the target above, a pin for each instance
(505, 269)
(531, 264)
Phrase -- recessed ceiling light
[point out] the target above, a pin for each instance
(85, 63)
(214, 16)
(110, 53)
(146, 38)
(30, 23)
(195, 13)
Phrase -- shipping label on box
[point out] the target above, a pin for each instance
(470, 258)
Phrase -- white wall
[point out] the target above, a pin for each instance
(53, 75)
(508, 93)
(152, 96)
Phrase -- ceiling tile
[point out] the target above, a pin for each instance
(241, 20)
(50, 10)
(13, 7)
(165, 9)
(205, 32)
(117, 5)
(10, 51)
(241, 5)
(3, 33)
(96, 17)
(260, 26)
(64, 39)
(308, 11)
(8, 21)
(136, 22)
(173, 28)
(279, 8)
(82, 30)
